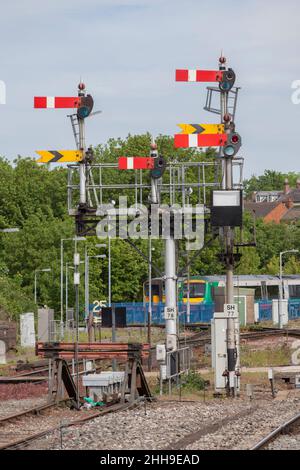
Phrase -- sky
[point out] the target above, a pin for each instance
(126, 51)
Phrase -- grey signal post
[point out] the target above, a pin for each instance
(82, 168)
(154, 199)
(228, 233)
(170, 272)
(76, 239)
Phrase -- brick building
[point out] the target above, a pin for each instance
(276, 206)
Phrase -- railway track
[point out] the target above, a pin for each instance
(284, 428)
(199, 339)
(22, 425)
(208, 429)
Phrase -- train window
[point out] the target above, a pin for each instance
(197, 289)
(294, 292)
(155, 289)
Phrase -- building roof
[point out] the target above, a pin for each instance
(292, 214)
(261, 208)
(267, 193)
(293, 194)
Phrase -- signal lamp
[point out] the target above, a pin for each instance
(159, 167)
(86, 106)
(228, 80)
(233, 145)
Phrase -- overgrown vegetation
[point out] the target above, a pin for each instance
(193, 381)
(266, 357)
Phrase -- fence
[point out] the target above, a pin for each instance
(137, 313)
(265, 309)
(178, 362)
(294, 309)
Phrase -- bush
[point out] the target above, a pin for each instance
(193, 381)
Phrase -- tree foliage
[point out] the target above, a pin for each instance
(34, 198)
(271, 180)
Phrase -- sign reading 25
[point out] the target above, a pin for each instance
(98, 304)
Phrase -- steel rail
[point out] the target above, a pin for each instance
(26, 440)
(34, 410)
(281, 429)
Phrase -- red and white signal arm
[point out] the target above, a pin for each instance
(191, 75)
(136, 163)
(199, 140)
(56, 102)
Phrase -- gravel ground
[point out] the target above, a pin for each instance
(12, 406)
(164, 424)
(247, 431)
(286, 442)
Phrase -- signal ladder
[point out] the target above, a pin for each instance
(75, 128)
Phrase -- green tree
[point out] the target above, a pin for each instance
(250, 262)
(269, 181)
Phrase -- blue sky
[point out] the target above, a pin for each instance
(127, 52)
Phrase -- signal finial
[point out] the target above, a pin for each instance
(222, 59)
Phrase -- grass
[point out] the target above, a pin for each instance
(275, 356)
(131, 334)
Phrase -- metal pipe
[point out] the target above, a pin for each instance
(150, 298)
(227, 183)
(113, 333)
(109, 271)
(82, 169)
(67, 266)
(280, 291)
(170, 283)
(35, 285)
(61, 284)
(86, 283)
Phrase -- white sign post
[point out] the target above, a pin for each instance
(170, 313)
(231, 310)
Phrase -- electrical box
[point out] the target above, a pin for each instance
(76, 279)
(76, 259)
(219, 356)
(163, 371)
(160, 352)
(284, 311)
(171, 342)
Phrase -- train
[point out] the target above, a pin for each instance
(196, 290)
(199, 289)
